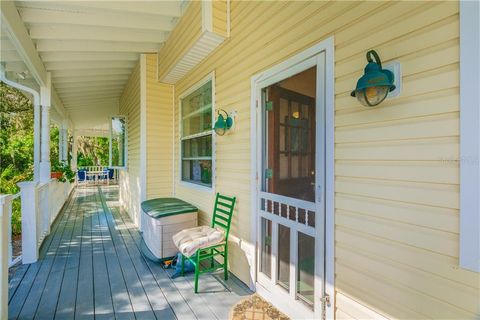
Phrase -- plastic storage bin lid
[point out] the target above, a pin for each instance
(164, 207)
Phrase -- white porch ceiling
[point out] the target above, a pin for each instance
(90, 48)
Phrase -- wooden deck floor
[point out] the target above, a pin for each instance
(91, 267)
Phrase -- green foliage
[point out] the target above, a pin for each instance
(92, 151)
(16, 145)
(16, 139)
(67, 173)
(54, 156)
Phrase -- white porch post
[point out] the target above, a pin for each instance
(65, 143)
(4, 222)
(45, 101)
(29, 203)
(36, 141)
(62, 143)
(74, 152)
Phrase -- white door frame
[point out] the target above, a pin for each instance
(294, 65)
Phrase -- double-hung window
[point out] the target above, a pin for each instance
(196, 136)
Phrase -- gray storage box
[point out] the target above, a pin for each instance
(161, 219)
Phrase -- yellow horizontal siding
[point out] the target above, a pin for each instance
(129, 178)
(159, 133)
(187, 31)
(397, 190)
(219, 17)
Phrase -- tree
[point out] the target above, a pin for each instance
(16, 138)
(16, 145)
(92, 151)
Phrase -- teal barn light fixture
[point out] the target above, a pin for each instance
(375, 84)
(223, 123)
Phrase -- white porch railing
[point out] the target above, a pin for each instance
(41, 203)
(9, 206)
(100, 168)
(6, 204)
(6, 251)
(93, 168)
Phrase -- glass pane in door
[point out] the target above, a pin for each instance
(306, 269)
(290, 136)
(283, 261)
(266, 250)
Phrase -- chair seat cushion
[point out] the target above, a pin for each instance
(188, 241)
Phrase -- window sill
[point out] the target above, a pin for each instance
(197, 186)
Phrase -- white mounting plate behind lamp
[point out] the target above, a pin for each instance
(396, 68)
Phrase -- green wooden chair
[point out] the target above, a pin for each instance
(222, 218)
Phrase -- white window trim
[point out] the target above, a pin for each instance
(469, 135)
(192, 185)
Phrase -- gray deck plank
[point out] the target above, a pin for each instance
(32, 300)
(102, 293)
(213, 286)
(200, 309)
(48, 302)
(213, 290)
(155, 295)
(16, 279)
(140, 302)
(121, 300)
(84, 308)
(65, 308)
(17, 299)
(172, 294)
(91, 266)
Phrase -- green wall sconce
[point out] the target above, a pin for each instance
(376, 82)
(224, 122)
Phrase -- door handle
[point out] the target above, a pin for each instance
(326, 300)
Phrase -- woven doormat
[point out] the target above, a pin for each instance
(256, 308)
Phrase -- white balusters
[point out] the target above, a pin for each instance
(293, 213)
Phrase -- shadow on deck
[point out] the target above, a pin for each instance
(91, 267)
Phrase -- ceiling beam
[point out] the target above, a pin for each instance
(8, 46)
(88, 104)
(98, 18)
(94, 95)
(79, 109)
(72, 65)
(88, 84)
(16, 66)
(10, 56)
(83, 106)
(77, 32)
(75, 79)
(162, 8)
(71, 93)
(88, 89)
(90, 45)
(88, 56)
(90, 72)
(22, 41)
(90, 100)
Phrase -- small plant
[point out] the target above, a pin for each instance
(68, 174)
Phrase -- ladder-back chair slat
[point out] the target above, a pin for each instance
(222, 217)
